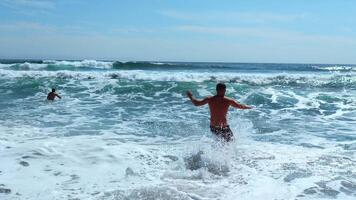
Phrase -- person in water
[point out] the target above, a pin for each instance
(52, 95)
(219, 105)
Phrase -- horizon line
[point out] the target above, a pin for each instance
(165, 61)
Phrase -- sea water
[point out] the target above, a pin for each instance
(128, 131)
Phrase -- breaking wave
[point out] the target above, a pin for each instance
(295, 80)
(56, 65)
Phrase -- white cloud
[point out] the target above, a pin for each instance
(26, 26)
(270, 34)
(35, 28)
(133, 30)
(35, 4)
(249, 17)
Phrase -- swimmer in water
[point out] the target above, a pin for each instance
(52, 95)
(219, 105)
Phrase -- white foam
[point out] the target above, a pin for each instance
(254, 79)
(59, 64)
(336, 68)
(83, 63)
(92, 167)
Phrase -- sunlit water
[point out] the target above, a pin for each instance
(127, 131)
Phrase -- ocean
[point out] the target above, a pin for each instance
(126, 130)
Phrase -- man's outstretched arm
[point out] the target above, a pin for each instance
(58, 96)
(235, 104)
(197, 102)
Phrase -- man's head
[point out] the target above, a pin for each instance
(220, 89)
(53, 90)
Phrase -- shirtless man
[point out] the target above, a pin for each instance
(53, 95)
(219, 105)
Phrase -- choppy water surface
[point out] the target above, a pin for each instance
(127, 131)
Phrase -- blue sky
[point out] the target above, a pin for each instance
(297, 31)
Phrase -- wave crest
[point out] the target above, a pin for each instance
(332, 80)
(336, 68)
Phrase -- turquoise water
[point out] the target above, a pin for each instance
(127, 131)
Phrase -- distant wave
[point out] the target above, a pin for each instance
(83, 63)
(336, 68)
(53, 65)
(143, 65)
(332, 80)
(57, 65)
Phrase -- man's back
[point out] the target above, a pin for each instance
(52, 95)
(219, 106)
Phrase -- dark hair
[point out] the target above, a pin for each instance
(220, 86)
(53, 90)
